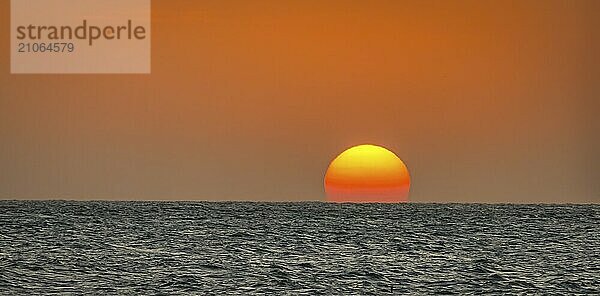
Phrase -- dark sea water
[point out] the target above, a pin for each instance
(202, 248)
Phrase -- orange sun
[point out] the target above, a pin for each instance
(367, 173)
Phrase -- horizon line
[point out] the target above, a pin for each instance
(295, 201)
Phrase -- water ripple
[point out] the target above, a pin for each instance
(199, 248)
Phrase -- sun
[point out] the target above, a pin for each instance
(367, 174)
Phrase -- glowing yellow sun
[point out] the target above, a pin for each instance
(367, 173)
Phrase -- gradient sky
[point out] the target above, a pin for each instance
(485, 101)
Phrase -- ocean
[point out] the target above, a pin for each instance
(307, 248)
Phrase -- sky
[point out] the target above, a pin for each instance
(484, 101)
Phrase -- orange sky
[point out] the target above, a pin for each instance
(485, 101)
